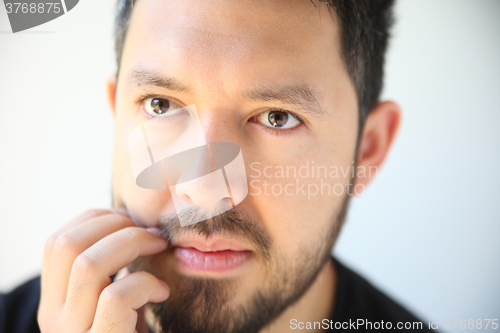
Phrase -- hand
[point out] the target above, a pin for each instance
(77, 294)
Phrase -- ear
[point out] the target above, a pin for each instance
(380, 128)
(111, 86)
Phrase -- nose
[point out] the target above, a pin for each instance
(212, 173)
(195, 180)
(209, 192)
(210, 178)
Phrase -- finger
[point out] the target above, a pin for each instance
(91, 270)
(88, 215)
(49, 243)
(47, 254)
(71, 244)
(116, 309)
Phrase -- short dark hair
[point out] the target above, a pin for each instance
(364, 30)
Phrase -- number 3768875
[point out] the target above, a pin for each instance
(25, 7)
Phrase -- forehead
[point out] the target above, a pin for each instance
(228, 44)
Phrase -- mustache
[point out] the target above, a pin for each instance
(232, 223)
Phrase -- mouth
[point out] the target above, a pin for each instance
(214, 256)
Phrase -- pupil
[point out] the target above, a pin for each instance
(159, 106)
(277, 118)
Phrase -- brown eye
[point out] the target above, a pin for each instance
(278, 119)
(162, 107)
(159, 106)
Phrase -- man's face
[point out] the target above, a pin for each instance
(268, 76)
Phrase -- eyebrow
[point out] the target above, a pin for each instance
(300, 95)
(149, 78)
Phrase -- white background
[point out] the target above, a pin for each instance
(426, 232)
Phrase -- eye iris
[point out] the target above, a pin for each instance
(159, 106)
(277, 118)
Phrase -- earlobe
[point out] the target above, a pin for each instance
(380, 128)
(111, 92)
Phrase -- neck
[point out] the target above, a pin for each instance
(314, 306)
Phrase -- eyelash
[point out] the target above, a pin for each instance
(278, 132)
(281, 132)
(141, 99)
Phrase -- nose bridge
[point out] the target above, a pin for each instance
(202, 184)
(201, 178)
(216, 123)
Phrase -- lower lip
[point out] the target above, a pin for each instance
(211, 261)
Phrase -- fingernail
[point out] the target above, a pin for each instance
(155, 231)
(166, 290)
(119, 210)
(121, 273)
(165, 285)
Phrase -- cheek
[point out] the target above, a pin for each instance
(302, 215)
(299, 198)
(299, 190)
(144, 205)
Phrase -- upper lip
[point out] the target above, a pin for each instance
(209, 245)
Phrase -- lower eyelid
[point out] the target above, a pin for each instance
(280, 132)
(144, 112)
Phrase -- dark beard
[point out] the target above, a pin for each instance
(203, 305)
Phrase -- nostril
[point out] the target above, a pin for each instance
(208, 192)
(202, 198)
(186, 198)
(227, 201)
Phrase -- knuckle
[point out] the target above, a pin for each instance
(113, 296)
(49, 243)
(84, 266)
(65, 243)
